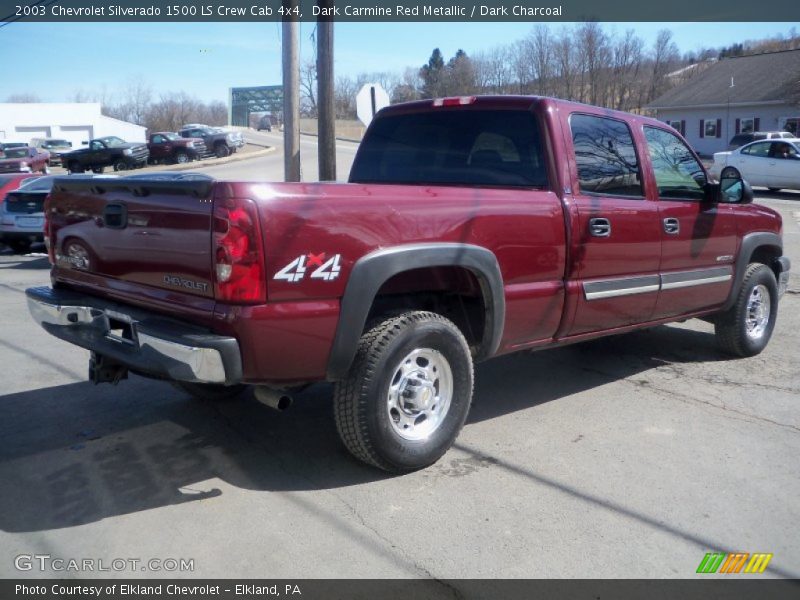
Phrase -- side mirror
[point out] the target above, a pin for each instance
(735, 190)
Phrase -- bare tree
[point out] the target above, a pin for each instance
(308, 88)
(24, 98)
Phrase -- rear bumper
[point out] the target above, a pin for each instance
(142, 341)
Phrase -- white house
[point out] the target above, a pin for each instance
(75, 122)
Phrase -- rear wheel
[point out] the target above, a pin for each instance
(407, 394)
(45, 170)
(221, 150)
(745, 329)
(210, 391)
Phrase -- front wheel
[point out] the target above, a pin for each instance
(181, 158)
(774, 189)
(120, 165)
(745, 329)
(221, 150)
(407, 394)
(75, 167)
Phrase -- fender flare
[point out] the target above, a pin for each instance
(750, 243)
(371, 271)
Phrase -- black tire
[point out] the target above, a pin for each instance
(729, 172)
(121, 165)
(98, 170)
(364, 418)
(210, 391)
(20, 246)
(744, 330)
(75, 167)
(221, 150)
(774, 189)
(181, 158)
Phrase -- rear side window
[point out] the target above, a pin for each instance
(678, 174)
(606, 157)
(760, 149)
(453, 147)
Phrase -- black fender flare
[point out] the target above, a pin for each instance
(750, 243)
(371, 271)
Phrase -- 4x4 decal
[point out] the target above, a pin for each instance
(295, 271)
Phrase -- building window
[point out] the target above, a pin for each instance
(790, 124)
(747, 125)
(677, 126)
(710, 128)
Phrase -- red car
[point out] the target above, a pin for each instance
(471, 227)
(25, 159)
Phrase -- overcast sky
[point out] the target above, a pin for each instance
(55, 60)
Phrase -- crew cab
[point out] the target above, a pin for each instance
(109, 151)
(470, 227)
(25, 159)
(166, 146)
(219, 142)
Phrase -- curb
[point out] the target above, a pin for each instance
(214, 162)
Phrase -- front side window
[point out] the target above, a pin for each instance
(678, 173)
(495, 148)
(606, 157)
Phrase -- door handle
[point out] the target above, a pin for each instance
(600, 227)
(672, 226)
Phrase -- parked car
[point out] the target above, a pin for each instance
(25, 159)
(774, 164)
(55, 146)
(470, 227)
(740, 139)
(105, 152)
(21, 211)
(219, 142)
(4, 144)
(165, 146)
(265, 123)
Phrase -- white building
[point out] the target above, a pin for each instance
(75, 122)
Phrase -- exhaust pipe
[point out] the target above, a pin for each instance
(277, 399)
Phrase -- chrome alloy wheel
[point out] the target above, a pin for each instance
(758, 310)
(420, 393)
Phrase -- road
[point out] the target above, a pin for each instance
(630, 456)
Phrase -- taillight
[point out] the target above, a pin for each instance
(48, 243)
(238, 260)
(454, 101)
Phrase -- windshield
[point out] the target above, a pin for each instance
(56, 144)
(453, 147)
(112, 141)
(172, 136)
(16, 152)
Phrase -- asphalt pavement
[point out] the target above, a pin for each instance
(626, 457)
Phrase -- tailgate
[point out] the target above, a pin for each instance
(133, 237)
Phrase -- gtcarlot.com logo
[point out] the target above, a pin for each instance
(729, 564)
(47, 562)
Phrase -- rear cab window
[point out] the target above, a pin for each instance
(606, 158)
(494, 148)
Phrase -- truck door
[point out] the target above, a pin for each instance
(99, 154)
(698, 237)
(616, 242)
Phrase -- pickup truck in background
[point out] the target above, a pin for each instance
(109, 151)
(55, 146)
(218, 142)
(470, 228)
(25, 159)
(165, 146)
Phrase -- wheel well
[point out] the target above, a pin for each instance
(766, 255)
(453, 292)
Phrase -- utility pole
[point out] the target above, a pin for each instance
(291, 94)
(326, 140)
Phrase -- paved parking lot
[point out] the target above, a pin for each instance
(630, 456)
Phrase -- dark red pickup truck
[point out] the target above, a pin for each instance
(471, 227)
(165, 146)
